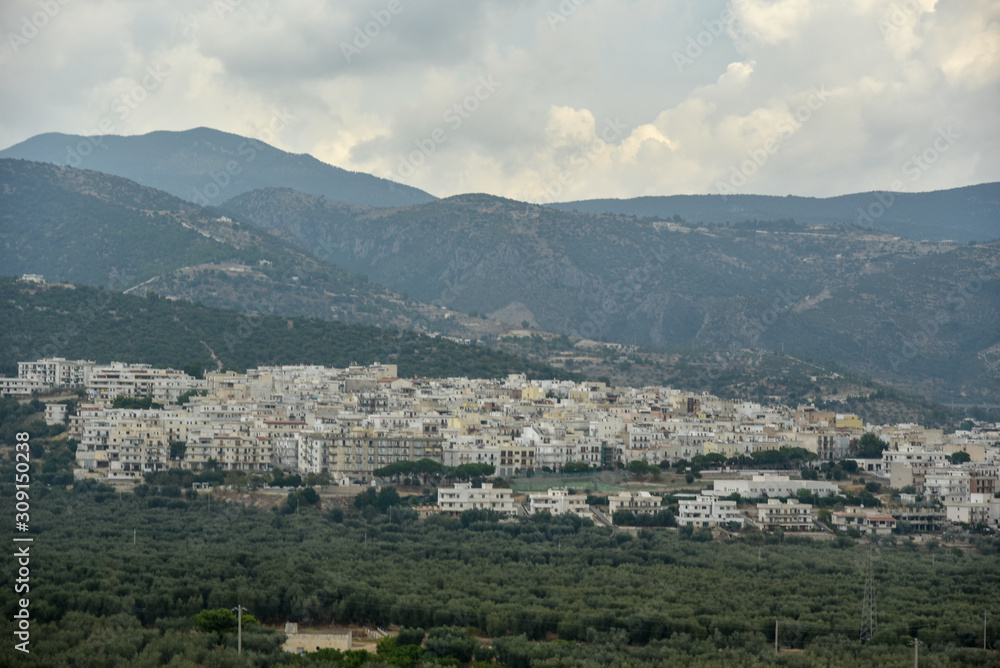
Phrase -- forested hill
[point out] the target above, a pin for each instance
(80, 322)
(207, 166)
(964, 214)
(919, 316)
(82, 226)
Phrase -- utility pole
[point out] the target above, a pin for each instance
(984, 630)
(239, 628)
(869, 619)
(776, 636)
(916, 644)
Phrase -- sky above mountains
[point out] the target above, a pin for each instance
(536, 100)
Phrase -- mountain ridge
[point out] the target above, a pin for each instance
(771, 285)
(968, 213)
(208, 166)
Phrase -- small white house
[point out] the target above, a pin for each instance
(55, 414)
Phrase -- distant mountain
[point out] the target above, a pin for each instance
(960, 214)
(921, 316)
(82, 226)
(207, 166)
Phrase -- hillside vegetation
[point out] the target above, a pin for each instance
(922, 317)
(662, 597)
(959, 214)
(80, 322)
(82, 226)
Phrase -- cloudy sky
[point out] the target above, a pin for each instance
(536, 99)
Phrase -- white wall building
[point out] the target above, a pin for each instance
(642, 502)
(768, 484)
(790, 515)
(141, 380)
(55, 414)
(56, 371)
(560, 502)
(706, 511)
(463, 496)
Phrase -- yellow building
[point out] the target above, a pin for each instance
(849, 421)
(531, 393)
(727, 450)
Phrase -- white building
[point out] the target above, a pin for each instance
(560, 502)
(698, 510)
(871, 521)
(771, 485)
(463, 496)
(977, 508)
(948, 484)
(55, 414)
(141, 380)
(790, 515)
(469, 450)
(18, 386)
(56, 371)
(642, 502)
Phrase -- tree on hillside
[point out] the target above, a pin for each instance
(219, 620)
(869, 446)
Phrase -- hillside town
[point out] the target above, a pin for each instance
(345, 425)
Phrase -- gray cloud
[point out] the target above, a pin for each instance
(694, 88)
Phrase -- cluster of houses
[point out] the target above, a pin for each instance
(348, 423)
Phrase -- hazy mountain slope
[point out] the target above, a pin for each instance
(931, 325)
(960, 214)
(88, 227)
(826, 294)
(207, 166)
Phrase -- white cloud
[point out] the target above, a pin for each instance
(895, 70)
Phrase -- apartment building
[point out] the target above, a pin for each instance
(140, 380)
(463, 496)
(698, 510)
(771, 485)
(640, 502)
(56, 371)
(790, 515)
(873, 521)
(558, 501)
